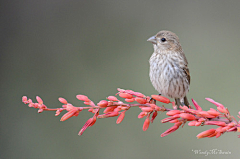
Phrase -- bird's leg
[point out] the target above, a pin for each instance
(178, 102)
(182, 101)
(186, 101)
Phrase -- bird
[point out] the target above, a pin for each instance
(169, 73)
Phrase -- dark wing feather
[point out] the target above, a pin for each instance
(186, 70)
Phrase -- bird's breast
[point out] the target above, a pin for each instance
(167, 76)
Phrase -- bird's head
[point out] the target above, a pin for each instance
(165, 40)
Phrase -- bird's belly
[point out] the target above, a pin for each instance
(169, 81)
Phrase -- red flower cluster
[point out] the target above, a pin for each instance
(179, 116)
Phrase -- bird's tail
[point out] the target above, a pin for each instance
(182, 101)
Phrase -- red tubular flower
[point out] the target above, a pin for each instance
(218, 123)
(218, 134)
(62, 100)
(173, 112)
(187, 116)
(154, 106)
(130, 100)
(109, 109)
(199, 123)
(196, 105)
(125, 95)
(229, 126)
(120, 90)
(220, 129)
(142, 114)
(89, 123)
(161, 99)
(40, 110)
(222, 110)
(91, 110)
(107, 115)
(24, 100)
(138, 94)
(83, 98)
(183, 107)
(146, 109)
(155, 113)
(146, 123)
(174, 121)
(103, 103)
(172, 129)
(94, 119)
(119, 108)
(69, 114)
(39, 100)
(89, 103)
(112, 98)
(192, 123)
(121, 117)
(86, 125)
(213, 112)
(212, 135)
(170, 118)
(140, 100)
(215, 103)
(202, 120)
(232, 129)
(206, 133)
(204, 114)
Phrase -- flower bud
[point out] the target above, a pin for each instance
(130, 100)
(192, 123)
(146, 109)
(155, 113)
(83, 98)
(39, 100)
(170, 118)
(206, 133)
(68, 115)
(121, 117)
(213, 112)
(196, 105)
(187, 116)
(24, 100)
(109, 109)
(125, 95)
(161, 99)
(112, 98)
(146, 124)
(103, 103)
(62, 100)
(142, 114)
(222, 110)
(140, 100)
(173, 112)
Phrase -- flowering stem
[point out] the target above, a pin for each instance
(178, 116)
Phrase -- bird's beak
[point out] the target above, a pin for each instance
(152, 40)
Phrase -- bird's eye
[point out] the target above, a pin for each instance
(163, 39)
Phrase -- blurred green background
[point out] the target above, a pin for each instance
(62, 48)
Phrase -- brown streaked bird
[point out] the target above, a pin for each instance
(169, 72)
